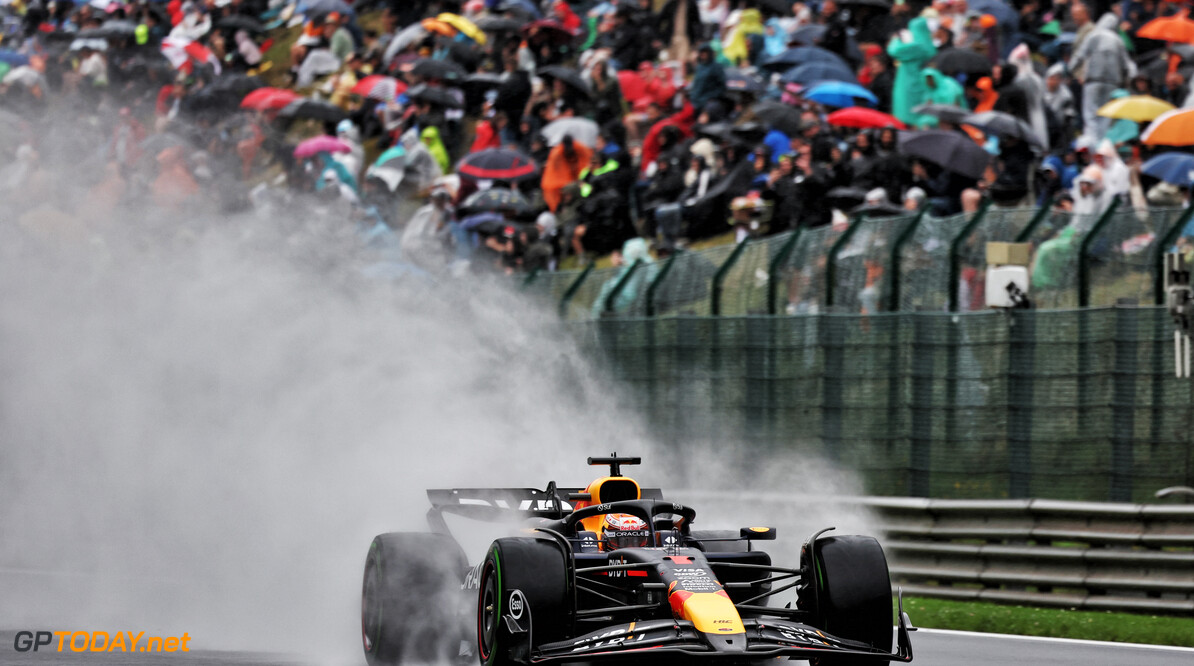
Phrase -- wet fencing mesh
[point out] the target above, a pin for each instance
(872, 272)
(1066, 404)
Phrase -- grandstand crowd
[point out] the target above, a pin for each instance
(515, 134)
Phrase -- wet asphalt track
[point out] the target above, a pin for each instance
(932, 648)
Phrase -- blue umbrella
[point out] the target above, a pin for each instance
(839, 93)
(321, 7)
(13, 58)
(1176, 168)
(1008, 19)
(801, 55)
(807, 75)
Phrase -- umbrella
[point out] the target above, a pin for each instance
(1004, 125)
(525, 7)
(314, 109)
(269, 99)
(321, 144)
(1172, 128)
(391, 176)
(802, 55)
(1140, 108)
(434, 96)
(407, 37)
(180, 52)
(782, 117)
(240, 84)
(438, 69)
(394, 157)
(95, 44)
(582, 130)
(845, 198)
(807, 34)
(379, 87)
(567, 76)
(954, 115)
(877, 4)
(497, 164)
(839, 93)
(322, 7)
(24, 76)
(807, 75)
(437, 27)
(498, 24)
(497, 200)
(489, 223)
(1007, 17)
(864, 118)
(961, 61)
(213, 99)
(738, 80)
(463, 25)
(484, 80)
(1176, 28)
(1176, 168)
(13, 58)
(952, 151)
(240, 22)
(548, 31)
(114, 29)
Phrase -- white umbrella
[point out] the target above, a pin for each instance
(317, 63)
(93, 44)
(406, 37)
(25, 76)
(582, 130)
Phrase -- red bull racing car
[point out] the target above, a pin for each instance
(614, 572)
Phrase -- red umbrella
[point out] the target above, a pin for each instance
(633, 86)
(268, 99)
(862, 117)
(497, 164)
(379, 87)
(321, 144)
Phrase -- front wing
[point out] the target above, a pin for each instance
(764, 638)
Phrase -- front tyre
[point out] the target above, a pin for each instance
(411, 600)
(852, 595)
(524, 598)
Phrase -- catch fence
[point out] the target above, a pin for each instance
(872, 265)
(1068, 404)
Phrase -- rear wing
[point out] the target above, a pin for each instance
(501, 504)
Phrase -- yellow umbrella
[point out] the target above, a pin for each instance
(1140, 108)
(463, 25)
(1172, 128)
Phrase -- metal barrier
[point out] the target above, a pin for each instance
(1094, 556)
(1087, 555)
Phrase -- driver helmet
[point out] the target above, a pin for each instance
(623, 530)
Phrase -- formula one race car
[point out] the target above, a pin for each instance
(612, 571)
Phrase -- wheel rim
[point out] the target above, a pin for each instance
(487, 613)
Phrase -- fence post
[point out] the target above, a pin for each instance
(1084, 247)
(654, 286)
(955, 245)
(1167, 241)
(572, 289)
(897, 249)
(608, 306)
(831, 260)
(529, 278)
(720, 276)
(772, 271)
(1036, 220)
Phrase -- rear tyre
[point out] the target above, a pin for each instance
(850, 594)
(411, 602)
(524, 584)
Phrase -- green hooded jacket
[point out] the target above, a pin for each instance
(909, 89)
(435, 145)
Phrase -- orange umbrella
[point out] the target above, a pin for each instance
(439, 27)
(1176, 28)
(1172, 128)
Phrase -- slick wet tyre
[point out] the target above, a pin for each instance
(524, 597)
(411, 603)
(853, 594)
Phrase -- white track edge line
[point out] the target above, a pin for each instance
(1079, 641)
